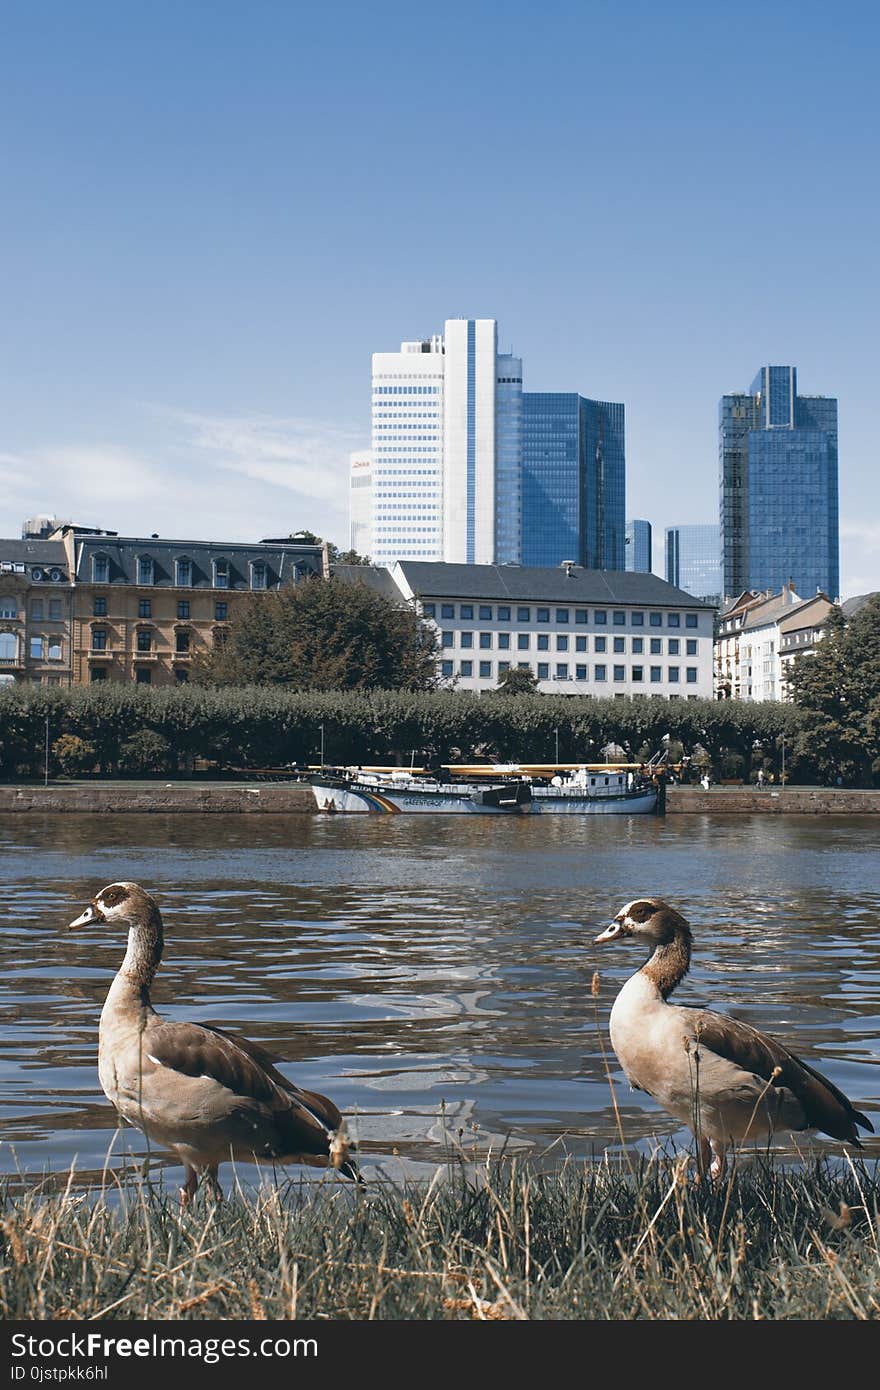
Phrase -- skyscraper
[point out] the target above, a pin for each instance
(360, 512)
(638, 547)
(446, 430)
(573, 481)
(693, 557)
(778, 484)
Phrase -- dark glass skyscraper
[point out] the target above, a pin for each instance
(778, 479)
(638, 546)
(573, 481)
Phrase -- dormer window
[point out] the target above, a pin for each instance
(221, 574)
(183, 572)
(145, 569)
(259, 575)
(100, 569)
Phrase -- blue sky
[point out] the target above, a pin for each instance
(214, 212)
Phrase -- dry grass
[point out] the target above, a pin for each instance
(503, 1242)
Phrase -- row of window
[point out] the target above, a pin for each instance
(485, 612)
(504, 641)
(54, 610)
(183, 572)
(563, 671)
(39, 648)
(142, 677)
(145, 608)
(144, 640)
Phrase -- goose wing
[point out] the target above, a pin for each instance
(304, 1120)
(826, 1108)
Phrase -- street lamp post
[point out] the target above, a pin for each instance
(321, 727)
(46, 762)
(556, 732)
(783, 762)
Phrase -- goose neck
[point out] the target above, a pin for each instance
(669, 963)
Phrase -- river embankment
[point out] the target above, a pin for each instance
(295, 798)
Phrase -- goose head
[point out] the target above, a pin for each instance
(650, 921)
(118, 902)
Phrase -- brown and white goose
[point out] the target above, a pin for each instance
(721, 1077)
(206, 1094)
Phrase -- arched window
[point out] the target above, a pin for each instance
(145, 571)
(8, 646)
(183, 572)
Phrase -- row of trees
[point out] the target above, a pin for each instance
(337, 661)
(837, 691)
(118, 728)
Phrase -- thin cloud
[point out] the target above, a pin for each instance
(303, 456)
(197, 476)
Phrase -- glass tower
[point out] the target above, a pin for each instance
(638, 546)
(693, 560)
(778, 486)
(573, 481)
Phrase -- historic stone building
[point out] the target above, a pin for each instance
(144, 608)
(35, 612)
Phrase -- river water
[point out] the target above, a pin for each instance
(432, 974)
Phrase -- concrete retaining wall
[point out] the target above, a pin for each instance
(119, 797)
(288, 798)
(810, 801)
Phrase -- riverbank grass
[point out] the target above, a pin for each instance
(507, 1241)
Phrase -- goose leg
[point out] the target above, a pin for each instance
(719, 1162)
(704, 1156)
(188, 1191)
(212, 1182)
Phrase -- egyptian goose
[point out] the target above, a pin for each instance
(206, 1094)
(722, 1078)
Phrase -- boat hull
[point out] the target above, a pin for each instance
(331, 797)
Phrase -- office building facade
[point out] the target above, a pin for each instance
(778, 487)
(580, 632)
(466, 469)
(360, 503)
(638, 556)
(693, 561)
(573, 481)
(446, 447)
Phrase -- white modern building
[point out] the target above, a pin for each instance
(360, 509)
(445, 444)
(579, 631)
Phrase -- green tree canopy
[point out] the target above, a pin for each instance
(324, 635)
(838, 689)
(517, 680)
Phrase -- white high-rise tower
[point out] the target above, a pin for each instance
(446, 435)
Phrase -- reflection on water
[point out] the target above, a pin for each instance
(431, 974)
